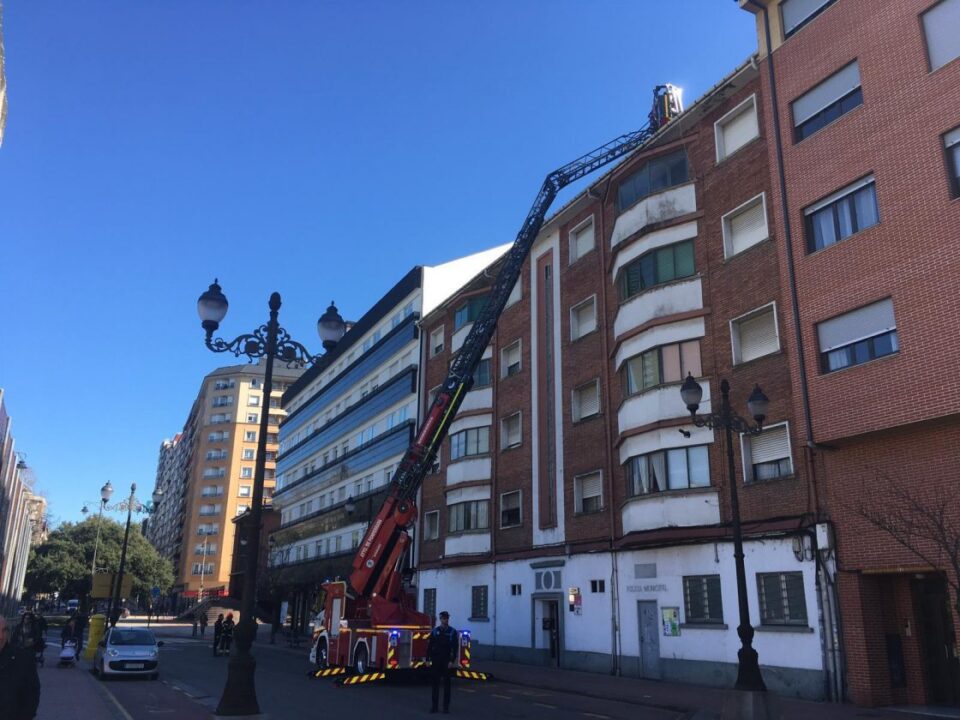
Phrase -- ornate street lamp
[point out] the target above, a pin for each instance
(748, 669)
(131, 505)
(269, 341)
(105, 492)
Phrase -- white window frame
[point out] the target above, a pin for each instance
(576, 414)
(516, 293)
(718, 127)
(442, 332)
(436, 526)
(578, 492)
(735, 333)
(248, 493)
(504, 432)
(746, 453)
(725, 224)
(246, 473)
(571, 237)
(503, 354)
(519, 494)
(592, 300)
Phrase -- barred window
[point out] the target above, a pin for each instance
(703, 602)
(478, 602)
(782, 600)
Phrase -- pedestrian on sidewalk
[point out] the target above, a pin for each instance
(69, 632)
(19, 683)
(227, 638)
(82, 621)
(203, 624)
(42, 622)
(217, 634)
(196, 622)
(442, 651)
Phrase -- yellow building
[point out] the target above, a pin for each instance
(219, 474)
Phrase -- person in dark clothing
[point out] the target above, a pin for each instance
(203, 624)
(228, 626)
(19, 683)
(28, 635)
(82, 620)
(69, 632)
(42, 622)
(217, 634)
(442, 650)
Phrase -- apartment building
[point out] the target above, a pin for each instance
(350, 419)
(861, 102)
(164, 528)
(577, 517)
(223, 424)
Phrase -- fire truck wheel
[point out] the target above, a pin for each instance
(360, 663)
(321, 654)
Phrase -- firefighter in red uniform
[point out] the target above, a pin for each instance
(442, 650)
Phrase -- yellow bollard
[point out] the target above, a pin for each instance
(97, 626)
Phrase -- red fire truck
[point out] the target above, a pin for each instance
(370, 627)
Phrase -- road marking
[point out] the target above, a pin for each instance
(607, 717)
(552, 707)
(116, 703)
(467, 690)
(502, 697)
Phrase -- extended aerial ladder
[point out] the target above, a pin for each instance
(375, 598)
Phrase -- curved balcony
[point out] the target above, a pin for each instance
(666, 205)
(479, 399)
(659, 403)
(662, 301)
(683, 508)
(467, 543)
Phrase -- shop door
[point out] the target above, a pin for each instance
(937, 639)
(649, 639)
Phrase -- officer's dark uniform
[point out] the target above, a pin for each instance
(442, 649)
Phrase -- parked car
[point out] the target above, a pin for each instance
(128, 651)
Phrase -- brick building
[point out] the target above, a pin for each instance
(866, 143)
(570, 521)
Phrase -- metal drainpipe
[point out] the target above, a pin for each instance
(607, 434)
(832, 653)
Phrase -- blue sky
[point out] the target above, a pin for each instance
(315, 148)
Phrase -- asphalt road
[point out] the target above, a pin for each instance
(192, 679)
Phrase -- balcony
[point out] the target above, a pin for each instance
(467, 543)
(679, 508)
(468, 469)
(479, 399)
(672, 298)
(656, 404)
(672, 203)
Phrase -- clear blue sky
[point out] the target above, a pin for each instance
(319, 149)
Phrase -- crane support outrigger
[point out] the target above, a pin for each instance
(370, 623)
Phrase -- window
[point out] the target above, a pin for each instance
(676, 469)
(255, 383)
(581, 240)
(478, 602)
(940, 25)
(212, 491)
(588, 492)
(755, 334)
(655, 176)
(782, 601)
(510, 514)
(655, 268)
(745, 226)
(702, 600)
(481, 376)
(586, 401)
(737, 128)
(219, 418)
(515, 294)
(858, 336)
(840, 215)
(436, 341)
(223, 401)
(431, 525)
(767, 455)
(510, 360)
(583, 318)
(253, 417)
(203, 568)
(834, 97)
(516, 589)
(510, 431)
(246, 472)
(245, 491)
(662, 365)
(249, 454)
(253, 400)
(241, 509)
(250, 436)
(951, 142)
(598, 586)
(797, 13)
(430, 602)
(472, 515)
(469, 311)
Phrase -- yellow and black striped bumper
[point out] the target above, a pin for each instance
(327, 672)
(365, 678)
(473, 675)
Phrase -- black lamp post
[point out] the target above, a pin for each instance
(129, 505)
(268, 341)
(105, 492)
(748, 669)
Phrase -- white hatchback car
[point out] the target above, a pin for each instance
(128, 651)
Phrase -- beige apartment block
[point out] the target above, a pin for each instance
(219, 473)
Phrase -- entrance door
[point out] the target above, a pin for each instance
(649, 639)
(546, 630)
(551, 612)
(936, 637)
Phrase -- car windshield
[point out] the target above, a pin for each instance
(132, 637)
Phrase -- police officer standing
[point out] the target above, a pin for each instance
(442, 650)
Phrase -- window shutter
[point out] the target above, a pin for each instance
(584, 319)
(951, 138)
(796, 602)
(826, 93)
(772, 444)
(582, 242)
(758, 335)
(747, 227)
(588, 400)
(739, 130)
(590, 486)
(940, 24)
(865, 322)
(796, 11)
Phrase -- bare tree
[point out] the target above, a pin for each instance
(928, 527)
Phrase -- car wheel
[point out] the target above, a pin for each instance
(102, 675)
(321, 654)
(360, 662)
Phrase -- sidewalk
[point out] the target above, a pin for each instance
(72, 693)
